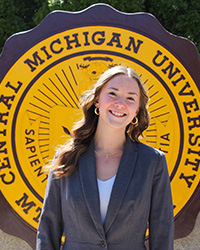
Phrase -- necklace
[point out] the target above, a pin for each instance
(108, 155)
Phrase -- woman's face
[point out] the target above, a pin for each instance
(118, 102)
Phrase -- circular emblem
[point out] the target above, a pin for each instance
(40, 102)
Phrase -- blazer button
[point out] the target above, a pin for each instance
(103, 244)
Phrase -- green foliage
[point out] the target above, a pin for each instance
(124, 6)
(9, 22)
(180, 17)
(42, 12)
(18, 15)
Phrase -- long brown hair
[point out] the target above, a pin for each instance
(84, 130)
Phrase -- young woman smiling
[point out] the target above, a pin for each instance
(105, 186)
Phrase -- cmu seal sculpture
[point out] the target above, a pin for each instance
(44, 72)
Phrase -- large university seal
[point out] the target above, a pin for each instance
(46, 70)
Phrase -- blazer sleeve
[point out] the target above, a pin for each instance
(161, 220)
(50, 228)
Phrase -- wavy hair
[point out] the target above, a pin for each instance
(83, 131)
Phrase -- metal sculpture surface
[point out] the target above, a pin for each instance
(44, 72)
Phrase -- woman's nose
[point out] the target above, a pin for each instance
(120, 103)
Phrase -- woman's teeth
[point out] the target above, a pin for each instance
(117, 114)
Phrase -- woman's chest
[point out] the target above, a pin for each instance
(106, 168)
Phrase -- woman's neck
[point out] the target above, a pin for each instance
(109, 140)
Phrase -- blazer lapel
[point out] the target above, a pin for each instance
(124, 174)
(88, 179)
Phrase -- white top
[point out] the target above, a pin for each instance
(105, 189)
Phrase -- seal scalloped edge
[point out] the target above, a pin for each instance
(98, 14)
(92, 14)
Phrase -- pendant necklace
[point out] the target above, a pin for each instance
(108, 155)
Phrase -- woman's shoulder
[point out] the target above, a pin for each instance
(142, 147)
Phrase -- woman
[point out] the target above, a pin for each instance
(105, 186)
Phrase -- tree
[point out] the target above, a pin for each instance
(180, 17)
(18, 15)
(125, 6)
(9, 22)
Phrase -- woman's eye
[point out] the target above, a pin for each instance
(112, 94)
(131, 99)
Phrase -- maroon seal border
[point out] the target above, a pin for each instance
(103, 15)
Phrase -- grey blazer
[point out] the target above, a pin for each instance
(141, 195)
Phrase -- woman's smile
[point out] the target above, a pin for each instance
(118, 102)
(116, 113)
